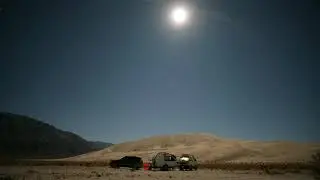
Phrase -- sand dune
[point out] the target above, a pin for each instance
(207, 147)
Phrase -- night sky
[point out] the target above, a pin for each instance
(117, 70)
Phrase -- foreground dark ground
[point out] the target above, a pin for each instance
(84, 172)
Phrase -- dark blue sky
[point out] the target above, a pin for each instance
(115, 70)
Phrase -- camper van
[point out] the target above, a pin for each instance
(164, 161)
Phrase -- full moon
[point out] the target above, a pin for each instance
(179, 15)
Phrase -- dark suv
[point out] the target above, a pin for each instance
(127, 161)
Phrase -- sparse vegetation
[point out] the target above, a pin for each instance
(267, 168)
(316, 165)
(6, 177)
(80, 172)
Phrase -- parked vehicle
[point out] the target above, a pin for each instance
(127, 161)
(188, 161)
(164, 161)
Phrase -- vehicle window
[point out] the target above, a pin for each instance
(132, 158)
(124, 158)
(167, 158)
(170, 158)
(135, 159)
(173, 158)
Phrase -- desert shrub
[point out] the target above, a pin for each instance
(31, 171)
(267, 168)
(316, 165)
(7, 177)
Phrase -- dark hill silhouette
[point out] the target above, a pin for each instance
(25, 137)
(98, 145)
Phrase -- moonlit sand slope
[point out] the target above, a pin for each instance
(208, 147)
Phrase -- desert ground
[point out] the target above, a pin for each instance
(78, 173)
(210, 150)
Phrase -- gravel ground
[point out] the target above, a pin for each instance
(79, 173)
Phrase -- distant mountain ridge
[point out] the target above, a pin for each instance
(25, 137)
